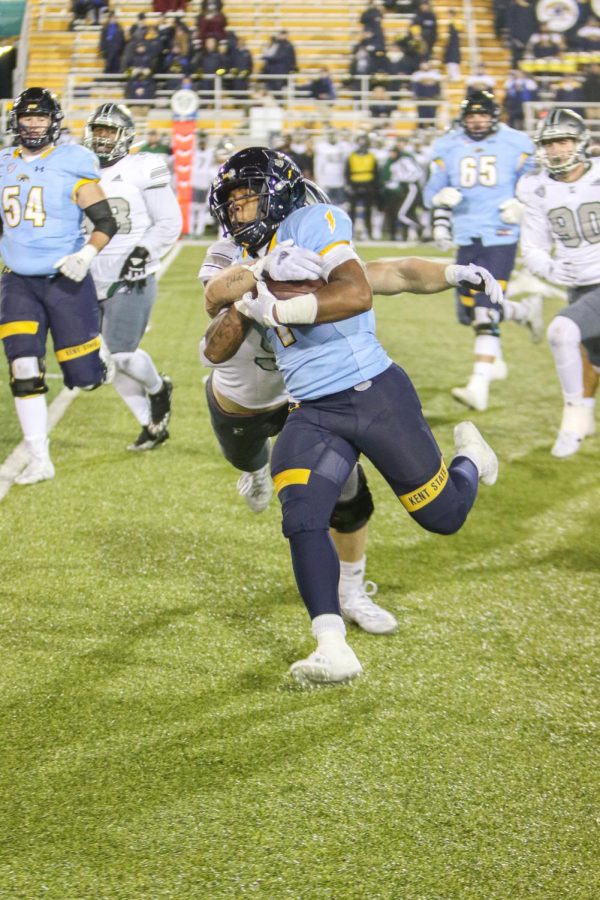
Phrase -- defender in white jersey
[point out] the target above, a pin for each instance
(149, 224)
(559, 241)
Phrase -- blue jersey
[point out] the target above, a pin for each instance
(317, 360)
(40, 217)
(486, 173)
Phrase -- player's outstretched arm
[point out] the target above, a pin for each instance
(225, 336)
(227, 286)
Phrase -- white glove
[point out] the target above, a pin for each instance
(287, 262)
(260, 308)
(562, 272)
(476, 278)
(75, 266)
(448, 196)
(511, 211)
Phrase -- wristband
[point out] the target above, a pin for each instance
(300, 310)
(88, 252)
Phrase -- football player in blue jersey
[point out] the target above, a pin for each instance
(45, 285)
(474, 171)
(347, 396)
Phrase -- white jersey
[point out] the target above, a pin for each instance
(329, 165)
(138, 190)
(564, 216)
(203, 168)
(250, 378)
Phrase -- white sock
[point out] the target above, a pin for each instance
(134, 394)
(352, 574)
(564, 337)
(33, 416)
(483, 370)
(38, 446)
(590, 402)
(329, 631)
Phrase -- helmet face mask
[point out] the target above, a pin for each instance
(38, 102)
(480, 103)
(109, 133)
(267, 175)
(562, 125)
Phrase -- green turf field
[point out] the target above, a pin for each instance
(152, 744)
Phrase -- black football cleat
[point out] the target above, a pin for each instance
(148, 441)
(160, 407)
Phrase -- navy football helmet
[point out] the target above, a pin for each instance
(269, 174)
(560, 124)
(35, 101)
(110, 149)
(479, 102)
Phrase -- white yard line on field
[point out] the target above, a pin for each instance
(17, 460)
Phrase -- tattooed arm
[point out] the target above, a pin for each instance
(226, 287)
(224, 336)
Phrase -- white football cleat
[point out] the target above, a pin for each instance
(37, 469)
(577, 423)
(256, 488)
(499, 370)
(532, 310)
(334, 667)
(475, 394)
(469, 442)
(357, 606)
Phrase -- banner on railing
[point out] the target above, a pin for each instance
(184, 104)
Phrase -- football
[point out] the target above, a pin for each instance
(283, 290)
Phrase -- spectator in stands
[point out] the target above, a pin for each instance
(544, 43)
(522, 23)
(500, 17)
(140, 85)
(156, 143)
(480, 80)
(81, 8)
(427, 21)
(242, 66)
(112, 42)
(138, 30)
(362, 67)
(591, 88)
(414, 47)
(329, 166)
(519, 88)
(362, 183)
(322, 87)
(371, 41)
(397, 69)
(205, 65)
(588, 36)
(381, 105)
(372, 18)
(139, 54)
(451, 55)
(212, 23)
(426, 85)
(279, 58)
(165, 6)
(568, 91)
(178, 60)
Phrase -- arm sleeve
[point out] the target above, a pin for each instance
(167, 222)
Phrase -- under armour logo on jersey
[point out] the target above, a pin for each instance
(117, 178)
(541, 191)
(39, 168)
